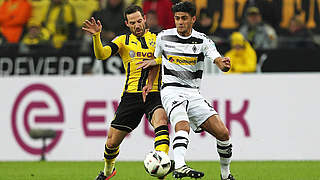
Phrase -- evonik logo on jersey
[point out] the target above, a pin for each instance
(144, 54)
(41, 102)
(139, 54)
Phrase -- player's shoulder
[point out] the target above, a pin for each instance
(151, 34)
(167, 32)
(199, 35)
(120, 37)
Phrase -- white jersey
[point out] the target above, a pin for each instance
(183, 57)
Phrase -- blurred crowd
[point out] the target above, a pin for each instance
(246, 25)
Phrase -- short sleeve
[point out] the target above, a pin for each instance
(209, 49)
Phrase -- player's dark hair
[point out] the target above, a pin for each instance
(184, 6)
(132, 9)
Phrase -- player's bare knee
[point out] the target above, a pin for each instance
(182, 125)
(159, 118)
(224, 135)
(160, 122)
(111, 144)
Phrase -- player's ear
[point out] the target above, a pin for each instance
(194, 18)
(145, 18)
(126, 22)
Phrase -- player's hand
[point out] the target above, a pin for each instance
(223, 63)
(146, 63)
(91, 26)
(145, 91)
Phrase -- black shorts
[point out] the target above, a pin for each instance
(131, 110)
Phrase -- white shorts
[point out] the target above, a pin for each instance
(186, 104)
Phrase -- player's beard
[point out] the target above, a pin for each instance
(139, 31)
(184, 30)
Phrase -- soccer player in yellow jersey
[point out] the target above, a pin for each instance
(133, 48)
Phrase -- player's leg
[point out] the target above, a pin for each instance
(180, 143)
(204, 117)
(161, 142)
(160, 123)
(176, 107)
(127, 118)
(111, 151)
(180, 140)
(158, 119)
(216, 128)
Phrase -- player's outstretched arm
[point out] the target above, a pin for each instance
(146, 63)
(149, 63)
(223, 63)
(94, 28)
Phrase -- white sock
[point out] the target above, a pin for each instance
(224, 149)
(180, 144)
(225, 167)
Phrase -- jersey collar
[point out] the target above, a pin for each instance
(183, 37)
(147, 32)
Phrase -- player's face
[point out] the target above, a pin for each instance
(184, 23)
(137, 23)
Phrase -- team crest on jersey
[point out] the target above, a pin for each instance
(152, 43)
(194, 48)
(131, 54)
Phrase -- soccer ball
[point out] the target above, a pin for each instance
(157, 163)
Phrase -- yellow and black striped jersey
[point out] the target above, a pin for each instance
(133, 49)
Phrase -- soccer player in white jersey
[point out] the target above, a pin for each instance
(183, 51)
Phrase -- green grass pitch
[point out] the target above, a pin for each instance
(242, 170)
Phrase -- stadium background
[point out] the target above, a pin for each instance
(271, 113)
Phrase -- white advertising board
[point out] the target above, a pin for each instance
(270, 117)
